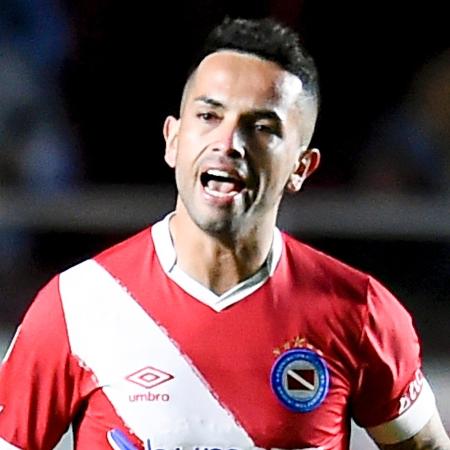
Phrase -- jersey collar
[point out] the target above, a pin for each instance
(167, 257)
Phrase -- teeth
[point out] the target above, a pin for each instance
(218, 173)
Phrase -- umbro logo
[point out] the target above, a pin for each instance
(149, 377)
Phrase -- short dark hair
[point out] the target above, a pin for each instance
(267, 39)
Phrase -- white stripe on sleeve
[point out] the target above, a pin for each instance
(410, 422)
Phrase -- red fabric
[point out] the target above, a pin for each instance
(363, 334)
(41, 384)
(335, 308)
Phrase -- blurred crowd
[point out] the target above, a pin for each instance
(408, 147)
(43, 151)
(39, 152)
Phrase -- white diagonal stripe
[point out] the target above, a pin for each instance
(4, 445)
(110, 333)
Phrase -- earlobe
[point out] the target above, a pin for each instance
(170, 132)
(309, 162)
(294, 183)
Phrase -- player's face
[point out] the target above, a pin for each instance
(240, 141)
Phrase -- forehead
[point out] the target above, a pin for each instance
(240, 79)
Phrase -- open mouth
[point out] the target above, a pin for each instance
(219, 183)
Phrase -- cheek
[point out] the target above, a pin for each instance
(282, 168)
(190, 140)
(187, 156)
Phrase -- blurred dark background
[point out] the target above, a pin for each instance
(84, 89)
(127, 68)
(86, 85)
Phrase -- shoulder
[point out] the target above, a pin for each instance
(128, 250)
(352, 289)
(122, 260)
(312, 258)
(320, 269)
(47, 304)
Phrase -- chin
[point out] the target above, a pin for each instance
(216, 221)
(219, 225)
(216, 227)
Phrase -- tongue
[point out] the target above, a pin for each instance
(223, 186)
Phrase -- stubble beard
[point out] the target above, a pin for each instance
(221, 224)
(225, 224)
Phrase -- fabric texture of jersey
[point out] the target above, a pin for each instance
(121, 343)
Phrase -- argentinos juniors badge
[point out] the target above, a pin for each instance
(300, 379)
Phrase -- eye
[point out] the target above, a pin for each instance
(207, 116)
(268, 129)
(264, 128)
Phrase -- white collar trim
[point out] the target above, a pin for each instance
(167, 257)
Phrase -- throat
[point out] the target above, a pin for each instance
(221, 279)
(217, 263)
(218, 270)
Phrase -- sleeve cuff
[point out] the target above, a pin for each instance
(408, 423)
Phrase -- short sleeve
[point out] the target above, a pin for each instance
(39, 379)
(390, 379)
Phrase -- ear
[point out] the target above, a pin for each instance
(170, 132)
(308, 162)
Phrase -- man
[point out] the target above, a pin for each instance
(214, 330)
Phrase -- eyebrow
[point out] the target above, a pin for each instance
(266, 114)
(209, 101)
(258, 113)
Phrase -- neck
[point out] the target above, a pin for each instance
(219, 263)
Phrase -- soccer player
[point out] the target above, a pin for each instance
(213, 329)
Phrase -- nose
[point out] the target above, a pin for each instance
(229, 139)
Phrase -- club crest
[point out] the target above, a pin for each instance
(300, 379)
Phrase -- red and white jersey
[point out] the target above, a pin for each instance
(129, 343)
